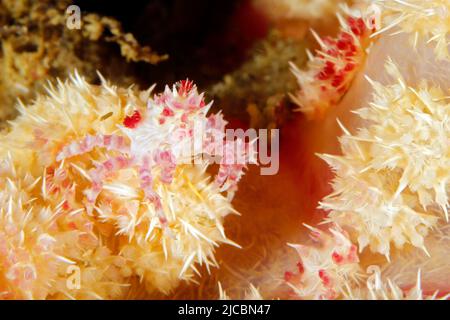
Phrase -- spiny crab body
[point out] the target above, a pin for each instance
(114, 183)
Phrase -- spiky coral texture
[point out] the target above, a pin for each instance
(252, 293)
(79, 187)
(324, 267)
(299, 9)
(36, 45)
(392, 180)
(435, 273)
(378, 288)
(330, 269)
(428, 20)
(329, 73)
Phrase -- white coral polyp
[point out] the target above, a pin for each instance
(325, 267)
(298, 9)
(392, 179)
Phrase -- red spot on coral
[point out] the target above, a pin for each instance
(321, 273)
(373, 23)
(315, 235)
(349, 67)
(352, 255)
(347, 37)
(122, 162)
(322, 76)
(133, 120)
(185, 87)
(167, 112)
(357, 25)
(329, 68)
(72, 225)
(107, 140)
(300, 267)
(50, 170)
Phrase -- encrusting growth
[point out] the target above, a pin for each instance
(112, 181)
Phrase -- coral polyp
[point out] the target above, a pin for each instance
(113, 182)
(108, 191)
(304, 9)
(392, 179)
(424, 20)
(329, 73)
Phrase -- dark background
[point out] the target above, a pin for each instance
(204, 38)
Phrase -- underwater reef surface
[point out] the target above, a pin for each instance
(94, 176)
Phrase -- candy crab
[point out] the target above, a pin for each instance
(113, 183)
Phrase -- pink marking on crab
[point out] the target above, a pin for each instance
(87, 144)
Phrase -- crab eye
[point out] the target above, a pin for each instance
(132, 121)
